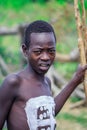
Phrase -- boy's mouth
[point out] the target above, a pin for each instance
(44, 66)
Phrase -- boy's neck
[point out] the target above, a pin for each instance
(30, 71)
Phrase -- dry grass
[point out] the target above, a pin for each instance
(75, 122)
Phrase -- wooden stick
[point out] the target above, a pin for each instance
(81, 44)
(84, 29)
(80, 37)
(85, 40)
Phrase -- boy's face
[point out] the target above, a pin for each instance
(41, 52)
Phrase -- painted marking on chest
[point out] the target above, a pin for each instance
(40, 112)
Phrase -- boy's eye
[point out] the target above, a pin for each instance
(37, 51)
(52, 51)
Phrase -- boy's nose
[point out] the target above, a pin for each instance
(45, 56)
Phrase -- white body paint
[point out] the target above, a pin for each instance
(40, 112)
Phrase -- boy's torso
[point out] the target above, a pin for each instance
(17, 118)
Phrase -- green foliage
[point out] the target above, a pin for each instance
(74, 99)
(13, 3)
(66, 69)
(80, 119)
(61, 1)
(62, 48)
(17, 4)
(64, 1)
(2, 49)
(85, 3)
(41, 1)
(9, 50)
(4, 129)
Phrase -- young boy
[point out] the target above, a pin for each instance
(26, 101)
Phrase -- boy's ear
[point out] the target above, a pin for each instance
(24, 49)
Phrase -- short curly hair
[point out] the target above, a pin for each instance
(37, 27)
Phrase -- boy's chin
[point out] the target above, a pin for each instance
(42, 72)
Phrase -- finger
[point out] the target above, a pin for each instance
(84, 67)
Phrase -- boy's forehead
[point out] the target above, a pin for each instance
(42, 40)
(43, 36)
(40, 33)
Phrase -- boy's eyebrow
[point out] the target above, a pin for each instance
(37, 47)
(40, 47)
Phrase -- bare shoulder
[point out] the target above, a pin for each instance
(12, 80)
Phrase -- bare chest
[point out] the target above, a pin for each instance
(21, 109)
(30, 90)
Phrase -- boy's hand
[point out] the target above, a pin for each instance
(79, 75)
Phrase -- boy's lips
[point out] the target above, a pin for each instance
(44, 66)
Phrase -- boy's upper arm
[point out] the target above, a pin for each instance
(8, 92)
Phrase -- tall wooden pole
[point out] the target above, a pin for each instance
(82, 41)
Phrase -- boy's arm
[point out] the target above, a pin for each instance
(8, 92)
(66, 92)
